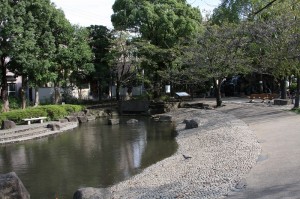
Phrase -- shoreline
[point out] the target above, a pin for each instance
(222, 149)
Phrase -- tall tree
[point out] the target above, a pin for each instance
(122, 59)
(12, 22)
(161, 24)
(218, 54)
(81, 57)
(100, 38)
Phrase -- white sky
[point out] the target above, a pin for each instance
(98, 12)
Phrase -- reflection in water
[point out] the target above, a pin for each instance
(94, 155)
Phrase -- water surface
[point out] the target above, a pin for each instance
(92, 155)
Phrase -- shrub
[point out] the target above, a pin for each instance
(72, 108)
(53, 112)
(18, 115)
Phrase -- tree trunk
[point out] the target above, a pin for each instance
(56, 93)
(23, 91)
(261, 88)
(283, 88)
(217, 86)
(296, 105)
(118, 90)
(4, 88)
(37, 97)
(99, 91)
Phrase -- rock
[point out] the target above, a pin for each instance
(132, 121)
(91, 118)
(63, 121)
(8, 124)
(82, 119)
(191, 124)
(87, 112)
(72, 119)
(11, 187)
(89, 192)
(102, 113)
(282, 102)
(165, 118)
(113, 121)
(54, 127)
(78, 114)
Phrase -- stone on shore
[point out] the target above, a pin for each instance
(8, 124)
(82, 119)
(191, 124)
(87, 193)
(54, 127)
(63, 121)
(113, 121)
(132, 121)
(91, 118)
(165, 118)
(11, 187)
(72, 119)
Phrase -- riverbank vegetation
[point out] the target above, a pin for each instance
(153, 44)
(52, 112)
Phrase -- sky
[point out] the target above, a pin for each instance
(98, 12)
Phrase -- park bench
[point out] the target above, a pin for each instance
(263, 96)
(40, 119)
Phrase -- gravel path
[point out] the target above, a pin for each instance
(223, 150)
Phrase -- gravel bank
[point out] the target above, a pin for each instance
(223, 150)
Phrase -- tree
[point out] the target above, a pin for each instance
(81, 57)
(218, 53)
(12, 15)
(100, 38)
(62, 63)
(122, 59)
(33, 63)
(160, 25)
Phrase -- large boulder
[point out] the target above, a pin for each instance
(89, 192)
(82, 119)
(53, 127)
(132, 121)
(165, 118)
(63, 120)
(8, 124)
(72, 119)
(113, 121)
(191, 124)
(11, 187)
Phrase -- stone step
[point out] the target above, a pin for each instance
(23, 133)
(35, 133)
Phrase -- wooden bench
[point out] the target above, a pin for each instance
(263, 96)
(40, 119)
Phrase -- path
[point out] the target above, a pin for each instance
(277, 172)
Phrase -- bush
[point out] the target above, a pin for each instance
(53, 112)
(72, 108)
(18, 115)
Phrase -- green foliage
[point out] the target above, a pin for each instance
(161, 22)
(18, 115)
(53, 112)
(72, 108)
(164, 98)
(296, 110)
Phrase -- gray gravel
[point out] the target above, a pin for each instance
(223, 150)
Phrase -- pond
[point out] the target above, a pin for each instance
(92, 155)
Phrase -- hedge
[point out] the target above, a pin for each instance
(53, 112)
